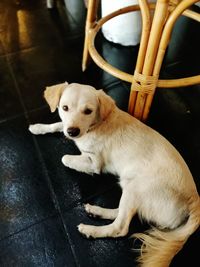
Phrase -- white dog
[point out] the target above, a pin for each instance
(156, 182)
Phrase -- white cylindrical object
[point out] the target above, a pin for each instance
(198, 4)
(124, 29)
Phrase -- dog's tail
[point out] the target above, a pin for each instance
(159, 247)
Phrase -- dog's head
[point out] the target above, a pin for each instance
(80, 107)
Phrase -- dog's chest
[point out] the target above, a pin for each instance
(89, 143)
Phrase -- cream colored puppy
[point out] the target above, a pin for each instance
(156, 182)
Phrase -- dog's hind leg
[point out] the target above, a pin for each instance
(96, 211)
(120, 226)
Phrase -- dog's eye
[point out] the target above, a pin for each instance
(87, 111)
(65, 108)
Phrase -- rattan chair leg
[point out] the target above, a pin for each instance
(90, 20)
(154, 40)
(165, 38)
(146, 26)
(160, 15)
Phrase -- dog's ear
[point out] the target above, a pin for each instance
(53, 93)
(106, 104)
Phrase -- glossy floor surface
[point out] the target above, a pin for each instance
(41, 201)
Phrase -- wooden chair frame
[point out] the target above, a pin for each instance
(155, 37)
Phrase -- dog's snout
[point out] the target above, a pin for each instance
(73, 131)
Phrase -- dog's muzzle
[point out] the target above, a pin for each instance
(73, 131)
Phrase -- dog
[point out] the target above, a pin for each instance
(156, 182)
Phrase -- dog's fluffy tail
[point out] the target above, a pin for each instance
(159, 247)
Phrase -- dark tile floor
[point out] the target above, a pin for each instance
(41, 201)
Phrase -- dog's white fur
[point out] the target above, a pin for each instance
(156, 182)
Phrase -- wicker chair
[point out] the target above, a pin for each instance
(155, 37)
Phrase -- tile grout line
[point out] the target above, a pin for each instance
(72, 205)
(28, 226)
(52, 192)
(11, 118)
(55, 200)
(17, 88)
(5, 53)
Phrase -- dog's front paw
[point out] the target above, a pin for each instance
(36, 129)
(91, 211)
(65, 160)
(85, 230)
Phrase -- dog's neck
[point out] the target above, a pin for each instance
(94, 126)
(99, 121)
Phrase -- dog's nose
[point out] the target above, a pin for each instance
(73, 132)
